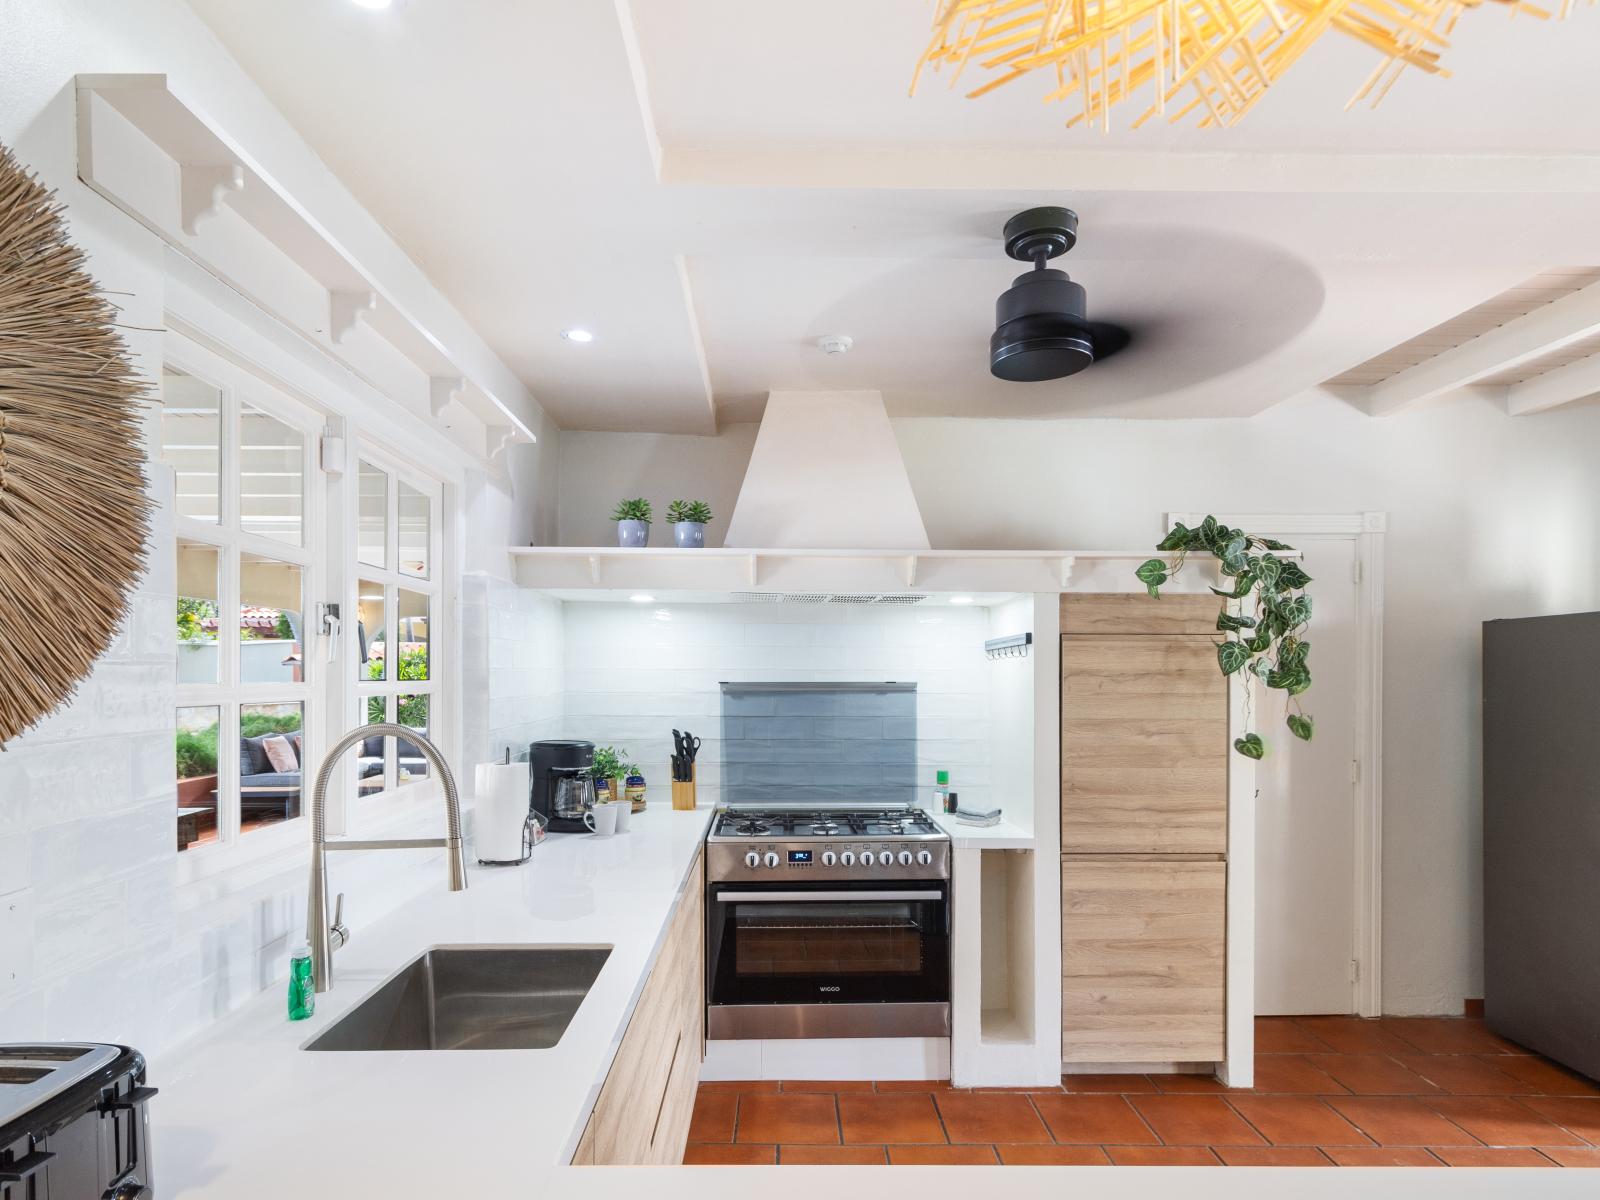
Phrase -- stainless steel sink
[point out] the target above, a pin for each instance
(472, 998)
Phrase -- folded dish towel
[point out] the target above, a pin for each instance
(987, 817)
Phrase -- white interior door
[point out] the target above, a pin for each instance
(1306, 809)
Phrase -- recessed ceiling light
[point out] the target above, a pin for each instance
(375, 5)
(960, 599)
(581, 336)
(641, 598)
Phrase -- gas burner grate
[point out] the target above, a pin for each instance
(750, 828)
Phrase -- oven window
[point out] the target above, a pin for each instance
(846, 939)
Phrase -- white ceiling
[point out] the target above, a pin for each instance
(709, 185)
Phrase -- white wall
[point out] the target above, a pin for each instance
(1489, 517)
(512, 675)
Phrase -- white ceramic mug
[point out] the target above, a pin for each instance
(624, 814)
(602, 819)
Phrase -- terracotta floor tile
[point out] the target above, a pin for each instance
(1501, 1121)
(1273, 1156)
(1297, 1121)
(1544, 1076)
(827, 1085)
(740, 1085)
(882, 1119)
(1052, 1156)
(1282, 1035)
(913, 1085)
(1190, 1084)
(1293, 1073)
(729, 1156)
(1381, 1156)
(1492, 1156)
(1373, 1075)
(1581, 1114)
(1354, 1035)
(1162, 1156)
(1195, 1121)
(713, 1116)
(990, 1117)
(832, 1156)
(1093, 1120)
(1107, 1083)
(977, 1156)
(1573, 1156)
(788, 1119)
(1443, 1035)
(1399, 1121)
(1463, 1074)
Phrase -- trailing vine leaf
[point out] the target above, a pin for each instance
(1152, 573)
(1270, 544)
(1296, 611)
(1232, 656)
(1232, 622)
(1251, 746)
(1293, 576)
(1267, 570)
(1241, 587)
(1178, 539)
(1300, 726)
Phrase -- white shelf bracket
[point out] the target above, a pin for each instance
(496, 438)
(594, 568)
(753, 568)
(1067, 563)
(911, 570)
(345, 309)
(442, 390)
(202, 187)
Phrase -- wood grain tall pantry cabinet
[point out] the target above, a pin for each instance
(1144, 829)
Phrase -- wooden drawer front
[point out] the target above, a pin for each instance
(1144, 746)
(641, 1115)
(1142, 960)
(1136, 612)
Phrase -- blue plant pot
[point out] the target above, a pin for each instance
(633, 533)
(691, 535)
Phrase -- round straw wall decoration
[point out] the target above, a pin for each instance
(73, 510)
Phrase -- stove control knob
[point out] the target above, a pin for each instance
(771, 860)
(866, 858)
(752, 859)
(905, 858)
(885, 858)
(829, 858)
(924, 858)
(847, 858)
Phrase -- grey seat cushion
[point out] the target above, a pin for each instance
(288, 780)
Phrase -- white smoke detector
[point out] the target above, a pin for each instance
(835, 343)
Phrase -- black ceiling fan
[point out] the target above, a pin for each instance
(1042, 330)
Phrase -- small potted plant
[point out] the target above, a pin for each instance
(689, 519)
(608, 774)
(633, 522)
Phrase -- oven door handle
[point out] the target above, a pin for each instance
(791, 897)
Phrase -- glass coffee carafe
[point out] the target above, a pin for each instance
(574, 796)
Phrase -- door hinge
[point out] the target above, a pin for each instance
(1355, 570)
(1355, 970)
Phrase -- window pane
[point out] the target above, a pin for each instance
(271, 477)
(412, 712)
(372, 515)
(271, 750)
(271, 625)
(374, 750)
(197, 775)
(198, 614)
(191, 442)
(414, 531)
(372, 631)
(412, 631)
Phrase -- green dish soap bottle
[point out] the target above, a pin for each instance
(302, 985)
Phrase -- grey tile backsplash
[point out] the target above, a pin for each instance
(852, 742)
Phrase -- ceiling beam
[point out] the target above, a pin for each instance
(1574, 381)
(1546, 329)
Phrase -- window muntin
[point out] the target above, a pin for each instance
(191, 443)
(372, 515)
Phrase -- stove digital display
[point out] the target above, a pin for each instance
(800, 857)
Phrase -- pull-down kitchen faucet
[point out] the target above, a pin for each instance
(326, 938)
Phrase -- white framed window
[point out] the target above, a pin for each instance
(248, 514)
(397, 634)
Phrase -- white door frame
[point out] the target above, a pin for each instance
(1366, 530)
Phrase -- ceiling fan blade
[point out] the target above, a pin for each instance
(1108, 338)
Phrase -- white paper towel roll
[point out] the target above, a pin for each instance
(502, 808)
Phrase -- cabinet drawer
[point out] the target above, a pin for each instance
(1142, 960)
(1144, 746)
(1136, 612)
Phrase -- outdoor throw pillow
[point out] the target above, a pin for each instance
(280, 754)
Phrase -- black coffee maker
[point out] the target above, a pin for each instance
(547, 763)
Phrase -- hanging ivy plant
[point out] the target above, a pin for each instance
(1264, 614)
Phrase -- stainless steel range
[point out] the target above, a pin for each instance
(827, 922)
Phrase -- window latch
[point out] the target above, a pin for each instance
(329, 624)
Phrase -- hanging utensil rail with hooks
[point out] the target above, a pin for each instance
(1015, 646)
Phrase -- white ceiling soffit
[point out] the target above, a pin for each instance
(710, 185)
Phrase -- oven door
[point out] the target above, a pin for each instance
(828, 943)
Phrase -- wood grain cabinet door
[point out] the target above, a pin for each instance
(1142, 960)
(1144, 745)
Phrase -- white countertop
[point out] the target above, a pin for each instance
(1004, 836)
(244, 1112)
